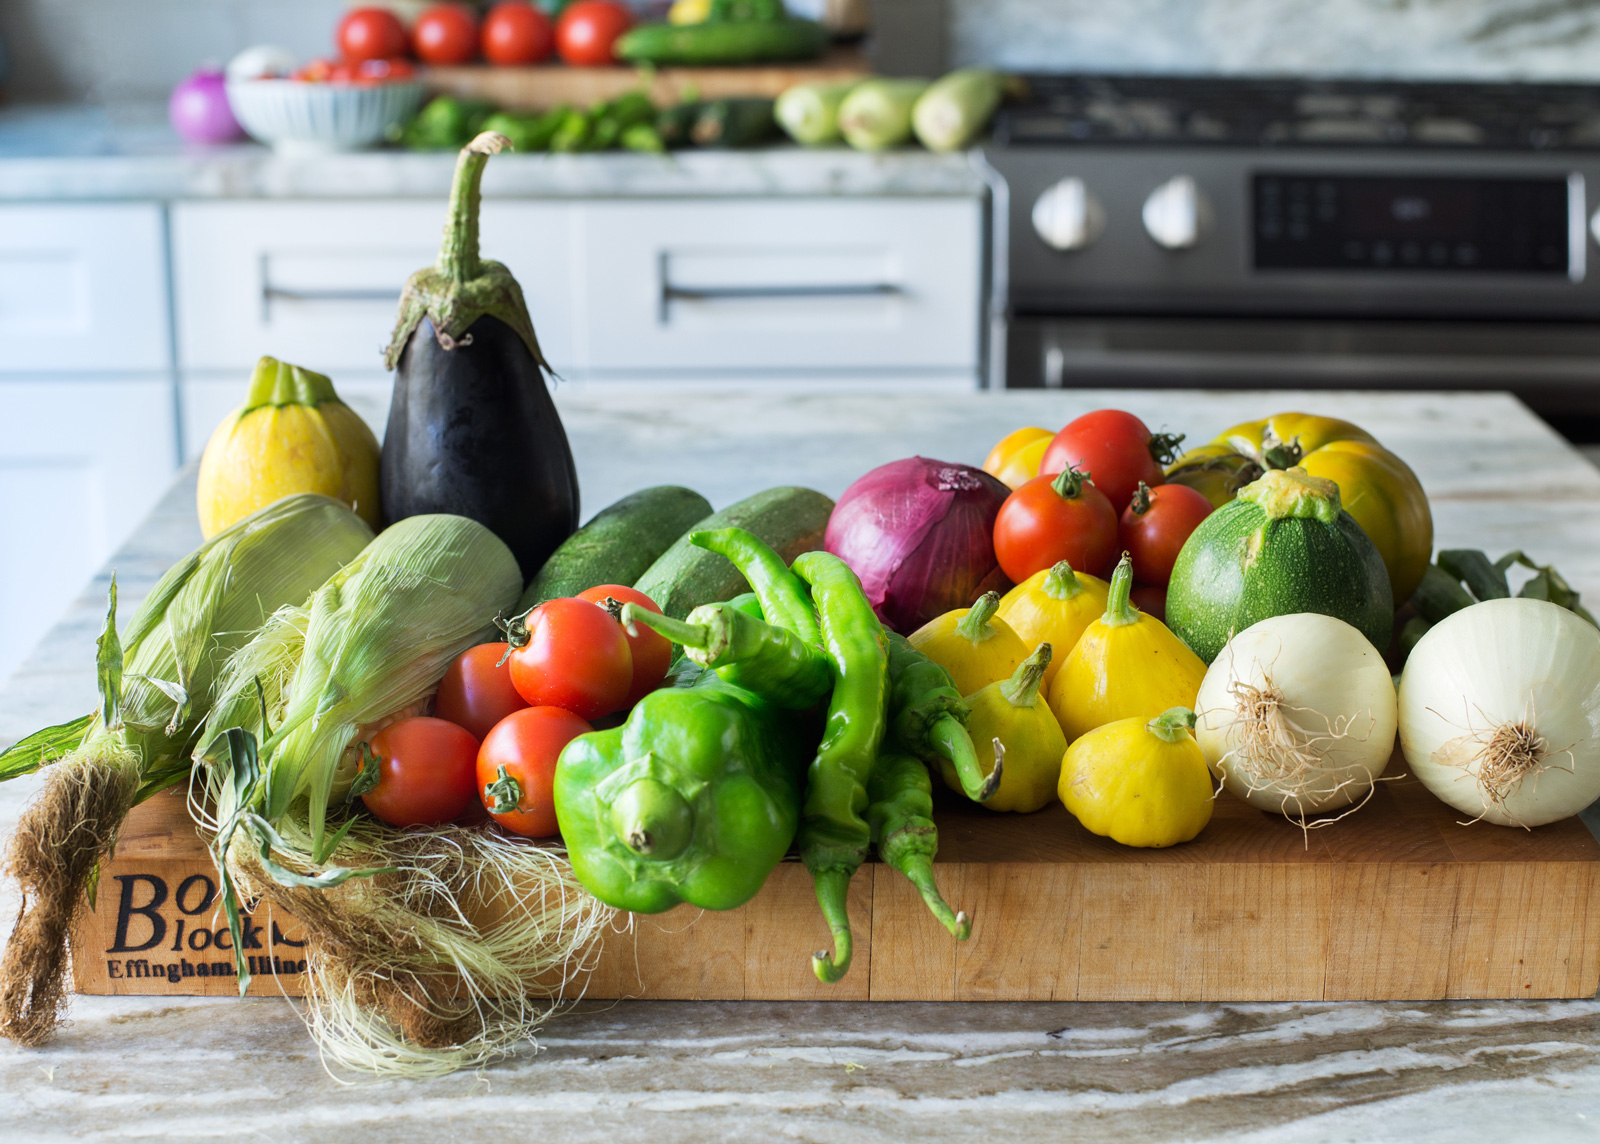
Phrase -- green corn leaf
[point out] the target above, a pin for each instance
(108, 663)
(43, 747)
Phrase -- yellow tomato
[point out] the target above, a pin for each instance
(1376, 487)
(1015, 460)
(1140, 781)
(1054, 606)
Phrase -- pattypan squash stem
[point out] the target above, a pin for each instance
(1119, 610)
(1172, 724)
(1022, 689)
(1069, 483)
(974, 627)
(1061, 582)
(458, 254)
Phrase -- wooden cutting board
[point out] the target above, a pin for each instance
(1397, 902)
(550, 85)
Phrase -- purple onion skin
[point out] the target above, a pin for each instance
(199, 111)
(920, 535)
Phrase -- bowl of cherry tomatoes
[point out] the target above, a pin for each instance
(328, 106)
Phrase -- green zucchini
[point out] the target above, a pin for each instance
(723, 42)
(619, 544)
(1284, 546)
(792, 520)
(734, 123)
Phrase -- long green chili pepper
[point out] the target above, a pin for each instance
(747, 652)
(833, 835)
(900, 812)
(783, 596)
(928, 716)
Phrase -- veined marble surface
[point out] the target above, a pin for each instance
(1388, 39)
(54, 154)
(663, 1072)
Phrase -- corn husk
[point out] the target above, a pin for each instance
(156, 689)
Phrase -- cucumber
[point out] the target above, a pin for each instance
(619, 544)
(876, 115)
(723, 42)
(790, 519)
(734, 123)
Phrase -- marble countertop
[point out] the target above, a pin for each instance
(54, 154)
(659, 1071)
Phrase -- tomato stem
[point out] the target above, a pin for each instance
(505, 791)
(1069, 482)
(1141, 500)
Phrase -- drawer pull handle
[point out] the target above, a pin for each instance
(270, 292)
(671, 293)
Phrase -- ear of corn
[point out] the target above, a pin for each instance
(373, 641)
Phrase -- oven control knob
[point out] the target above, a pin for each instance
(1067, 216)
(1177, 215)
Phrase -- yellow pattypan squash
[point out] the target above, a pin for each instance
(292, 435)
(971, 644)
(1014, 715)
(1054, 606)
(1140, 782)
(1125, 664)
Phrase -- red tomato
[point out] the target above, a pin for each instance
(445, 34)
(576, 657)
(1115, 449)
(517, 767)
(586, 30)
(1055, 518)
(1155, 526)
(1150, 601)
(515, 32)
(370, 34)
(652, 653)
(476, 693)
(317, 71)
(426, 772)
(384, 71)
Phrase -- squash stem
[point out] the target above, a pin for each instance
(278, 384)
(1119, 609)
(1172, 724)
(458, 253)
(1061, 582)
(1022, 689)
(950, 739)
(974, 626)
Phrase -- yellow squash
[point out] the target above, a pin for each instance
(1140, 782)
(1054, 606)
(292, 435)
(1015, 459)
(1125, 665)
(971, 644)
(1375, 486)
(1012, 713)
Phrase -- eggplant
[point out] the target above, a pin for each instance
(472, 430)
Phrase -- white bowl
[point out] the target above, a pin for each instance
(316, 118)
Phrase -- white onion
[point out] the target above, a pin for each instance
(1297, 715)
(1500, 711)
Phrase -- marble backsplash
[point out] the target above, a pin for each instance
(1488, 39)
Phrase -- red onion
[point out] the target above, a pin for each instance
(920, 535)
(199, 109)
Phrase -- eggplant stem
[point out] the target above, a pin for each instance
(458, 253)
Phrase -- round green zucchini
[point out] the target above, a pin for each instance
(1284, 546)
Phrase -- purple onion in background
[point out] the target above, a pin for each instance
(199, 111)
(920, 535)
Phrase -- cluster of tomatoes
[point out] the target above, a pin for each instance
(1099, 491)
(504, 711)
(374, 44)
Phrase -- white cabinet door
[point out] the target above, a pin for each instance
(83, 288)
(81, 463)
(317, 283)
(780, 285)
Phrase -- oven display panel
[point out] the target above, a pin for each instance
(1343, 222)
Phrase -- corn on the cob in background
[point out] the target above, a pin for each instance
(156, 689)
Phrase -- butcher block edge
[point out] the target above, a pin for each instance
(1399, 901)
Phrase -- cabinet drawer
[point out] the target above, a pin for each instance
(780, 285)
(83, 289)
(318, 283)
(81, 463)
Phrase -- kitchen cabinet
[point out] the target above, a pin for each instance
(88, 440)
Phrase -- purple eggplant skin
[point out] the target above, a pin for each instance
(472, 431)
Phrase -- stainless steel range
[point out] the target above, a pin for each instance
(1187, 231)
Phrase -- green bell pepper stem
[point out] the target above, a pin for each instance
(928, 716)
(901, 815)
(834, 836)
(783, 596)
(747, 652)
